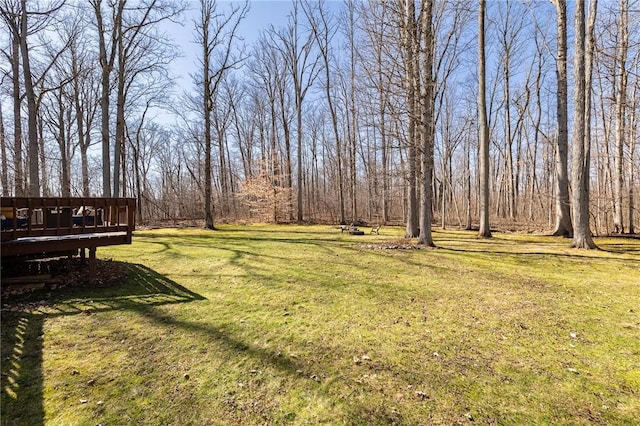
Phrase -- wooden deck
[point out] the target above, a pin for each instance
(42, 227)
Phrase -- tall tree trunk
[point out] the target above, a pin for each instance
(34, 172)
(321, 33)
(581, 143)
(351, 149)
(410, 41)
(207, 107)
(216, 34)
(287, 155)
(352, 108)
(273, 148)
(106, 60)
(384, 163)
(632, 179)
(620, 91)
(118, 145)
(632, 170)
(383, 102)
(302, 68)
(508, 148)
(484, 230)
(18, 174)
(299, 210)
(427, 124)
(84, 159)
(467, 179)
(295, 73)
(224, 162)
(533, 151)
(65, 160)
(563, 226)
(139, 192)
(5, 164)
(83, 140)
(44, 177)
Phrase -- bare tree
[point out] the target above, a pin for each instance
(381, 66)
(484, 230)
(4, 178)
(302, 63)
(56, 115)
(34, 175)
(270, 81)
(634, 108)
(141, 50)
(323, 31)
(216, 33)
(107, 56)
(581, 124)
(146, 139)
(427, 125)
(10, 11)
(620, 92)
(61, 101)
(349, 19)
(85, 94)
(17, 18)
(563, 225)
(451, 19)
(511, 24)
(410, 47)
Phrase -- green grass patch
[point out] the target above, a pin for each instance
(305, 325)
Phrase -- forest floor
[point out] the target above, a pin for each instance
(260, 324)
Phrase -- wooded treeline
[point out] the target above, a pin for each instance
(352, 111)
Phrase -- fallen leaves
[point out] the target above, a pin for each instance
(393, 246)
(59, 273)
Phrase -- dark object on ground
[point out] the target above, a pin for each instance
(351, 229)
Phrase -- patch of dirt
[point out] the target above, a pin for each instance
(393, 245)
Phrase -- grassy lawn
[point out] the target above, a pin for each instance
(305, 325)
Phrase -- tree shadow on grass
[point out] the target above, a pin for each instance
(22, 332)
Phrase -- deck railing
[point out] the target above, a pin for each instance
(44, 227)
(57, 216)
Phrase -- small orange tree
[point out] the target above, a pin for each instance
(266, 201)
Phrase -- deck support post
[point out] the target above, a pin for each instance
(92, 263)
